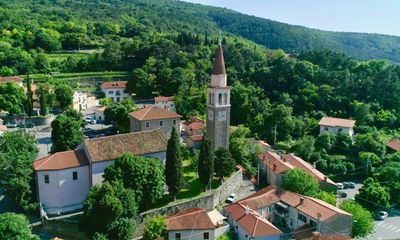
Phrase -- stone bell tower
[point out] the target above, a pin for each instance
(218, 104)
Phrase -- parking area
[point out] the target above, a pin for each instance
(351, 193)
(387, 229)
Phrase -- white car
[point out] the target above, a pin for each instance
(382, 215)
(232, 198)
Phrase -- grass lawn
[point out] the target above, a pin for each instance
(192, 186)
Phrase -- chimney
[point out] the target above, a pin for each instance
(314, 165)
(325, 178)
(316, 235)
(301, 200)
(247, 209)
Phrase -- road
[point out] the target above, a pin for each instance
(351, 193)
(387, 229)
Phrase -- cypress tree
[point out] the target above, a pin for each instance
(173, 165)
(224, 163)
(206, 163)
(29, 104)
(43, 102)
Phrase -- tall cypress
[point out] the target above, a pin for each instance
(29, 103)
(206, 163)
(43, 102)
(173, 165)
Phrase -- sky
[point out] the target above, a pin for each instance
(370, 16)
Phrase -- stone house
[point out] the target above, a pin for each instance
(116, 90)
(153, 117)
(165, 102)
(336, 125)
(65, 178)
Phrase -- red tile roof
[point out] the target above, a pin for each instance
(273, 161)
(297, 162)
(116, 84)
(164, 99)
(61, 160)
(256, 226)
(337, 122)
(197, 126)
(190, 219)
(196, 138)
(235, 210)
(219, 64)
(11, 79)
(394, 144)
(153, 113)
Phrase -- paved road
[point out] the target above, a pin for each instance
(351, 193)
(247, 188)
(387, 229)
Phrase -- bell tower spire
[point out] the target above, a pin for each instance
(218, 103)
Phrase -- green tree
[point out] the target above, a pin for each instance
(15, 227)
(173, 165)
(325, 141)
(389, 175)
(224, 164)
(326, 197)
(113, 207)
(363, 223)
(66, 132)
(206, 163)
(117, 113)
(298, 181)
(372, 195)
(304, 147)
(29, 100)
(155, 228)
(11, 98)
(64, 96)
(148, 173)
(18, 151)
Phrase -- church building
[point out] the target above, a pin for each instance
(218, 104)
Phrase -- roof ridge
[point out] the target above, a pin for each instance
(163, 138)
(148, 109)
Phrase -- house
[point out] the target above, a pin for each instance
(91, 100)
(165, 102)
(196, 223)
(153, 117)
(291, 211)
(18, 80)
(35, 95)
(194, 141)
(274, 167)
(193, 126)
(115, 90)
(79, 102)
(336, 125)
(65, 178)
(99, 114)
(394, 145)
(3, 128)
(249, 224)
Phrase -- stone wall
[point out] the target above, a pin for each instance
(208, 201)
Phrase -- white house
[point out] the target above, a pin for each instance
(165, 102)
(115, 90)
(79, 102)
(65, 178)
(196, 223)
(99, 114)
(336, 125)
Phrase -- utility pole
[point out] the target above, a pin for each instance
(275, 135)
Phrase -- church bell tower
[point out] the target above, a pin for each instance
(218, 104)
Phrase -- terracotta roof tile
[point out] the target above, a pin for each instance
(394, 144)
(235, 210)
(297, 162)
(196, 138)
(115, 84)
(337, 122)
(219, 64)
(137, 143)
(273, 161)
(190, 219)
(164, 99)
(61, 160)
(153, 113)
(257, 226)
(197, 126)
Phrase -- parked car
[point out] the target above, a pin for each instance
(352, 185)
(345, 185)
(11, 125)
(339, 185)
(232, 198)
(382, 215)
(342, 194)
(92, 121)
(88, 119)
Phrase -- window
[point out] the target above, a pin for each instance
(212, 98)
(302, 218)
(340, 130)
(312, 223)
(99, 117)
(326, 128)
(174, 122)
(209, 98)
(220, 99)
(291, 222)
(110, 92)
(75, 175)
(161, 123)
(46, 179)
(206, 235)
(118, 99)
(112, 99)
(147, 124)
(225, 99)
(177, 236)
(117, 93)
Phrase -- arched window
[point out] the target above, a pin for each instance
(225, 99)
(220, 99)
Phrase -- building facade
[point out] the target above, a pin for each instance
(165, 102)
(336, 125)
(65, 178)
(152, 117)
(218, 104)
(116, 90)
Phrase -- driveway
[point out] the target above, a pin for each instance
(351, 193)
(247, 189)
